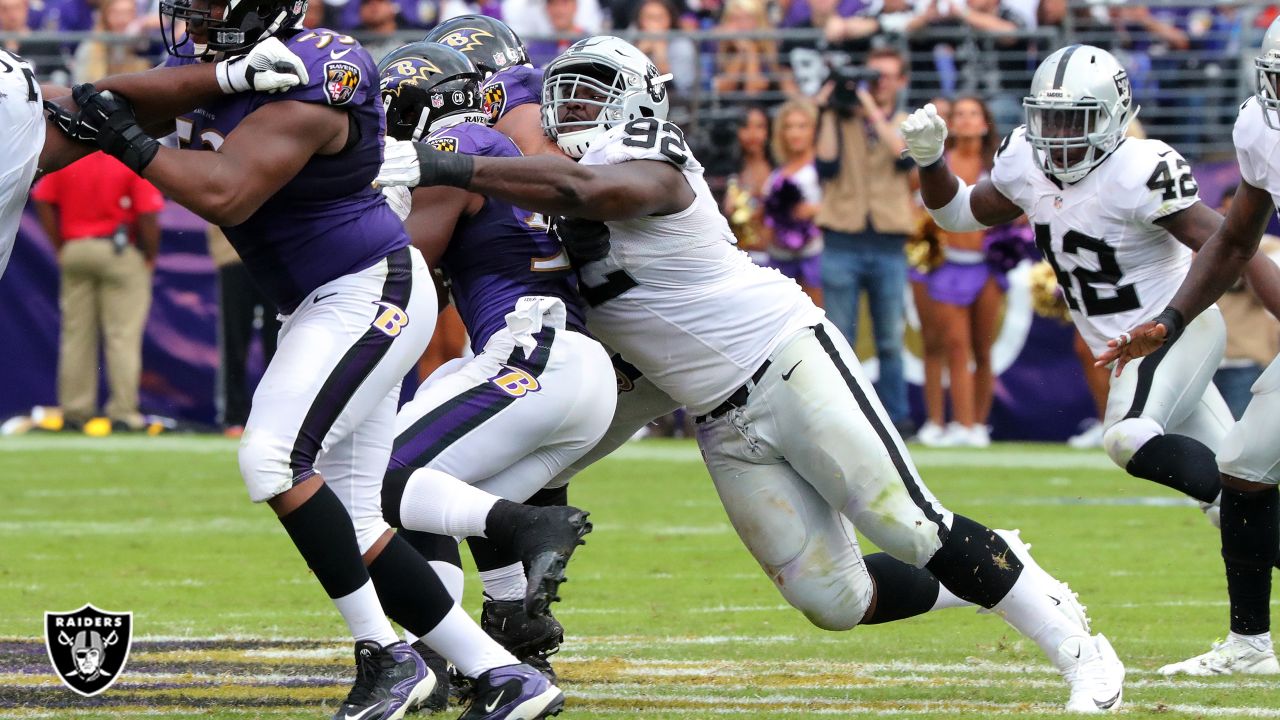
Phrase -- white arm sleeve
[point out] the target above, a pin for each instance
(957, 216)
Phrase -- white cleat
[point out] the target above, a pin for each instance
(931, 434)
(1094, 673)
(1090, 437)
(1067, 602)
(1233, 656)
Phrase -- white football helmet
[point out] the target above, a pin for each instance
(1268, 65)
(609, 81)
(1079, 108)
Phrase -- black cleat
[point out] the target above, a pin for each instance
(545, 541)
(439, 698)
(531, 639)
(389, 680)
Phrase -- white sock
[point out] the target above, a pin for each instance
(1261, 643)
(505, 583)
(438, 503)
(1029, 609)
(452, 577)
(461, 641)
(947, 599)
(364, 615)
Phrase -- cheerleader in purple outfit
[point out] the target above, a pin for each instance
(792, 197)
(959, 301)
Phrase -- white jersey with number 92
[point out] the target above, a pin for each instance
(675, 296)
(1116, 266)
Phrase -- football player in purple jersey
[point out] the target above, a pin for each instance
(288, 177)
(538, 380)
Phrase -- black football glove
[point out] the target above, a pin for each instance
(110, 121)
(584, 240)
(69, 123)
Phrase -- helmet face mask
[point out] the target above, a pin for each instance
(1267, 64)
(1078, 111)
(230, 27)
(427, 86)
(596, 84)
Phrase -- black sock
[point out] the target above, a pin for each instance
(441, 548)
(393, 485)
(410, 591)
(1179, 462)
(1250, 522)
(502, 523)
(490, 556)
(322, 531)
(902, 590)
(550, 497)
(975, 564)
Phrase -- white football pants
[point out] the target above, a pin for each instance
(1251, 449)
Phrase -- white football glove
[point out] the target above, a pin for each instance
(400, 199)
(399, 164)
(925, 134)
(269, 67)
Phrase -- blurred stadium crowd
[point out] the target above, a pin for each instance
(792, 106)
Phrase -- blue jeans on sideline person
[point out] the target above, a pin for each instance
(874, 262)
(1234, 383)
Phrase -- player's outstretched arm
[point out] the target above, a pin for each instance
(953, 204)
(161, 94)
(546, 183)
(1219, 263)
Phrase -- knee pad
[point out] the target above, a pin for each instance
(264, 465)
(1125, 438)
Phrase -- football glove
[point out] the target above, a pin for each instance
(400, 199)
(270, 67)
(416, 164)
(925, 134)
(110, 122)
(585, 240)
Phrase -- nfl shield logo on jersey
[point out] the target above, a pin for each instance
(341, 79)
(88, 647)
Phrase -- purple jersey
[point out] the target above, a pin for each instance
(501, 253)
(327, 221)
(510, 88)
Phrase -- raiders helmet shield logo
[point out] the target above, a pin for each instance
(1123, 89)
(445, 144)
(340, 82)
(88, 647)
(495, 100)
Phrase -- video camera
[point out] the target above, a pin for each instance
(848, 79)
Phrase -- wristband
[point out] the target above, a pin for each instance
(130, 145)
(224, 80)
(1173, 321)
(443, 168)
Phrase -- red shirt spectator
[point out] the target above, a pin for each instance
(95, 196)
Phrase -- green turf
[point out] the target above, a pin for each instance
(667, 615)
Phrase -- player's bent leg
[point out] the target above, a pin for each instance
(807, 549)
(845, 448)
(1154, 398)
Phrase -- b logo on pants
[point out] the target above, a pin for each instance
(515, 382)
(391, 320)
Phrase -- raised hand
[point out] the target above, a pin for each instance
(925, 134)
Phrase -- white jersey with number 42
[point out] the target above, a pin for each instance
(675, 296)
(1116, 266)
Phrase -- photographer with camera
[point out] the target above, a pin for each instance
(866, 211)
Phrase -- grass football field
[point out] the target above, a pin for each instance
(667, 615)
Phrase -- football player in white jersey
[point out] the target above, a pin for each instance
(1117, 218)
(797, 444)
(28, 149)
(1249, 457)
